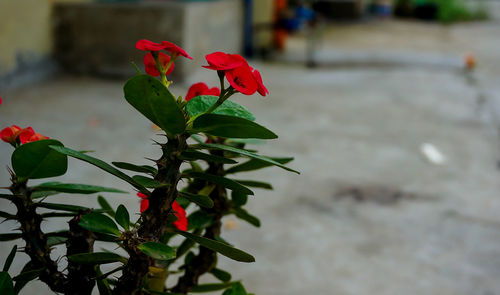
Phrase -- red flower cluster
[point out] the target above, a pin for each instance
(238, 73)
(181, 223)
(14, 133)
(164, 59)
(201, 88)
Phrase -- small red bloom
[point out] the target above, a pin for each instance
(147, 45)
(261, 88)
(174, 49)
(242, 79)
(29, 135)
(181, 223)
(150, 64)
(0, 100)
(201, 88)
(10, 134)
(144, 201)
(221, 61)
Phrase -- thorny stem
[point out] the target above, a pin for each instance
(36, 241)
(206, 259)
(155, 218)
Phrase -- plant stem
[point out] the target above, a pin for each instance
(36, 241)
(155, 218)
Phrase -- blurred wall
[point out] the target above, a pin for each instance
(25, 40)
(262, 20)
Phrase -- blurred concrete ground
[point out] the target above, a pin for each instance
(369, 214)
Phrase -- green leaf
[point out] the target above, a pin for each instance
(99, 223)
(58, 214)
(255, 164)
(229, 126)
(200, 104)
(200, 200)
(72, 188)
(7, 215)
(42, 194)
(202, 288)
(199, 219)
(195, 155)
(244, 153)
(157, 251)
(152, 99)
(236, 289)
(96, 258)
(6, 284)
(100, 164)
(244, 215)
(253, 183)
(135, 168)
(239, 199)
(36, 159)
(9, 237)
(220, 274)
(148, 181)
(105, 206)
(62, 207)
(225, 182)
(27, 274)
(7, 197)
(55, 240)
(219, 247)
(10, 258)
(102, 284)
(122, 217)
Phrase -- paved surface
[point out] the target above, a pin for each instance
(369, 214)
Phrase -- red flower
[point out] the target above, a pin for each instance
(242, 79)
(10, 134)
(201, 88)
(0, 100)
(150, 64)
(29, 135)
(181, 222)
(144, 201)
(174, 49)
(261, 88)
(221, 61)
(147, 45)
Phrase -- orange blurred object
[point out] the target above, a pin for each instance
(470, 61)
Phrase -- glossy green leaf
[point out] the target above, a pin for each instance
(62, 207)
(239, 199)
(105, 206)
(236, 289)
(200, 200)
(96, 258)
(254, 183)
(152, 99)
(220, 274)
(102, 283)
(157, 251)
(195, 155)
(100, 223)
(6, 284)
(42, 194)
(199, 219)
(225, 182)
(100, 164)
(203, 288)
(135, 168)
(72, 188)
(244, 215)
(255, 164)
(243, 153)
(148, 181)
(36, 159)
(10, 258)
(219, 247)
(9, 237)
(200, 104)
(123, 217)
(229, 126)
